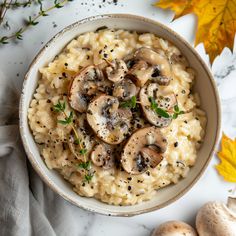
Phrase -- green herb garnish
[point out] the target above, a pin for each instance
(83, 151)
(88, 177)
(130, 103)
(32, 21)
(164, 113)
(60, 107)
(158, 110)
(67, 120)
(86, 165)
(177, 112)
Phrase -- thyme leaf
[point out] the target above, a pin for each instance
(158, 110)
(31, 21)
(130, 103)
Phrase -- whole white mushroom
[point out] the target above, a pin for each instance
(174, 228)
(217, 219)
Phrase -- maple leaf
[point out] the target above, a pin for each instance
(216, 21)
(227, 155)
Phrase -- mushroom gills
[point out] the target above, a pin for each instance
(140, 73)
(116, 70)
(160, 65)
(144, 149)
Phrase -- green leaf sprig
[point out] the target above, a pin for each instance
(86, 165)
(158, 110)
(177, 112)
(132, 103)
(31, 21)
(164, 113)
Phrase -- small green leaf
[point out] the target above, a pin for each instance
(60, 107)
(158, 110)
(175, 116)
(77, 141)
(176, 108)
(130, 103)
(85, 165)
(4, 40)
(88, 177)
(162, 112)
(83, 151)
(63, 122)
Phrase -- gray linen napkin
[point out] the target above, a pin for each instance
(27, 205)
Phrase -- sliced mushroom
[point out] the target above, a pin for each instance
(140, 73)
(125, 90)
(107, 120)
(164, 99)
(174, 228)
(102, 156)
(161, 70)
(88, 83)
(116, 70)
(144, 149)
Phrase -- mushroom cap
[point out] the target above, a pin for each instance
(155, 58)
(174, 228)
(86, 84)
(116, 70)
(139, 154)
(108, 121)
(215, 218)
(164, 98)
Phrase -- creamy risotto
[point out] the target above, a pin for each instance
(115, 115)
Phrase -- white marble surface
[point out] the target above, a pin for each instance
(15, 59)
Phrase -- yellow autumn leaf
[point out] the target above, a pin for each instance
(216, 21)
(227, 155)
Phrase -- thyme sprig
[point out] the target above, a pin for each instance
(68, 120)
(87, 167)
(16, 4)
(31, 21)
(164, 113)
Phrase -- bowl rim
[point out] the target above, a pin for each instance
(50, 183)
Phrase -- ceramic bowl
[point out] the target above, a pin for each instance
(205, 86)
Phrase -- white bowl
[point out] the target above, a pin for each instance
(205, 86)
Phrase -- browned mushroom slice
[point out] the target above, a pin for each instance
(102, 156)
(144, 149)
(161, 68)
(108, 121)
(164, 99)
(116, 70)
(125, 90)
(88, 83)
(140, 73)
